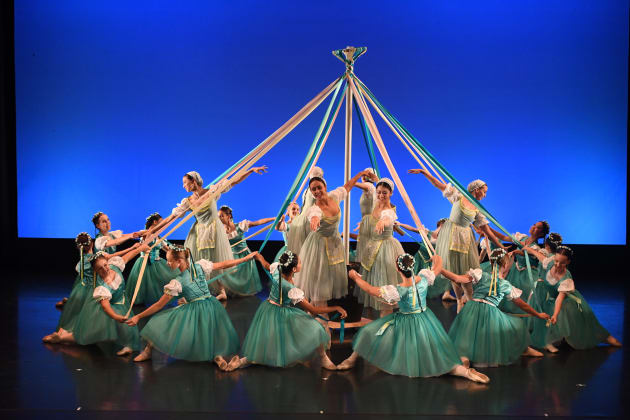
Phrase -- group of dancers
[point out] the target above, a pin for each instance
(515, 304)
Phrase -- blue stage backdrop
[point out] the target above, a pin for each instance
(116, 100)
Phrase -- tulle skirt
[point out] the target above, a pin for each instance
(520, 280)
(454, 261)
(413, 345)
(81, 293)
(243, 279)
(485, 335)
(382, 272)
(318, 279)
(157, 274)
(197, 331)
(95, 326)
(280, 336)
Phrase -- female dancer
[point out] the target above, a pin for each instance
(572, 318)
(281, 334)
(366, 204)
(441, 287)
(107, 240)
(102, 318)
(456, 242)
(81, 290)
(157, 272)
(411, 342)
(481, 331)
(380, 249)
(199, 330)
(243, 280)
(293, 211)
(206, 239)
(324, 273)
(518, 275)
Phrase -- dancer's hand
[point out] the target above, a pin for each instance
(371, 176)
(144, 247)
(121, 318)
(380, 226)
(138, 234)
(314, 223)
(358, 226)
(418, 171)
(544, 316)
(259, 169)
(554, 319)
(251, 255)
(342, 312)
(436, 259)
(182, 301)
(352, 274)
(133, 321)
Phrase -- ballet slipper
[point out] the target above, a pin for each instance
(221, 363)
(348, 363)
(233, 364)
(465, 361)
(530, 352)
(144, 355)
(60, 304)
(613, 341)
(460, 305)
(447, 297)
(52, 338)
(551, 348)
(476, 376)
(125, 351)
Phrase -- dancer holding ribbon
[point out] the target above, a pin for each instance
(106, 240)
(456, 241)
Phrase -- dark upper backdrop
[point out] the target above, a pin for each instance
(115, 101)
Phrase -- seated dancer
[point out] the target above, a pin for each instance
(81, 289)
(380, 248)
(244, 280)
(518, 275)
(293, 211)
(281, 334)
(411, 342)
(481, 331)
(324, 276)
(456, 241)
(572, 318)
(366, 205)
(107, 240)
(206, 239)
(102, 318)
(199, 330)
(156, 273)
(441, 287)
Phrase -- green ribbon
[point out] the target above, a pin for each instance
(437, 164)
(308, 161)
(369, 144)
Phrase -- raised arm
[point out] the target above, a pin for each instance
(221, 265)
(259, 170)
(433, 180)
(365, 286)
(351, 182)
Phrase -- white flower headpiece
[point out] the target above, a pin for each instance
(98, 255)
(475, 185)
(386, 181)
(156, 214)
(557, 236)
(401, 265)
(290, 258)
(76, 240)
(497, 254)
(195, 175)
(565, 247)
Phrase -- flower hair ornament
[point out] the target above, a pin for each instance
(387, 182)
(156, 214)
(475, 185)
(175, 247)
(554, 238)
(402, 266)
(96, 256)
(566, 248)
(196, 177)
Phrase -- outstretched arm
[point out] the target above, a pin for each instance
(557, 307)
(135, 250)
(408, 227)
(259, 170)
(490, 235)
(458, 278)
(221, 265)
(365, 286)
(261, 221)
(348, 186)
(157, 306)
(525, 307)
(121, 239)
(316, 310)
(500, 235)
(262, 261)
(539, 255)
(433, 180)
(107, 308)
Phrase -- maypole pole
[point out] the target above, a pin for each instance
(348, 55)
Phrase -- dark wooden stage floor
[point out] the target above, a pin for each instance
(57, 381)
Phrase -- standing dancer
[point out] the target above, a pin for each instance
(281, 334)
(105, 239)
(199, 330)
(293, 211)
(324, 276)
(572, 318)
(481, 331)
(456, 242)
(366, 205)
(380, 248)
(411, 342)
(81, 290)
(157, 272)
(206, 239)
(102, 318)
(244, 280)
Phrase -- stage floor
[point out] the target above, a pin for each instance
(57, 381)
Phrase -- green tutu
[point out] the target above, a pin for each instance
(197, 331)
(243, 279)
(81, 293)
(156, 274)
(414, 345)
(282, 335)
(95, 326)
(487, 336)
